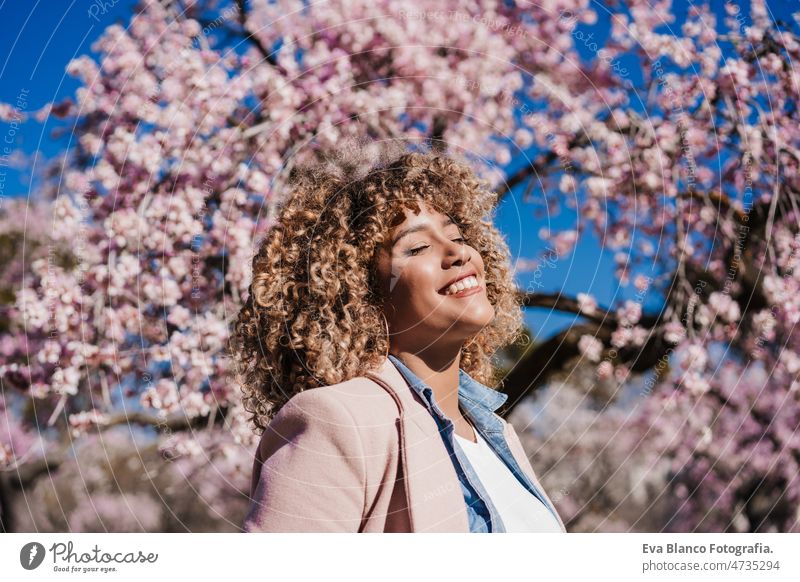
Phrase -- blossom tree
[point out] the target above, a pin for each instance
(693, 180)
(183, 128)
(187, 122)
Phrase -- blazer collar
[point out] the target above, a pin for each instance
(468, 387)
(478, 401)
(433, 492)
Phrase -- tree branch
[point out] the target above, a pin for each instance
(269, 56)
(551, 356)
(538, 166)
(561, 302)
(544, 360)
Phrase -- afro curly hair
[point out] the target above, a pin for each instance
(313, 316)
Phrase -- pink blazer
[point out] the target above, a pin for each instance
(363, 455)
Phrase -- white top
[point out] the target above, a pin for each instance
(520, 510)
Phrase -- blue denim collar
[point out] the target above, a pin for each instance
(479, 403)
(477, 400)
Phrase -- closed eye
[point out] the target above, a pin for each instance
(423, 247)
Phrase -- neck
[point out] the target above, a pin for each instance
(440, 372)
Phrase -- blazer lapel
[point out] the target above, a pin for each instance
(435, 500)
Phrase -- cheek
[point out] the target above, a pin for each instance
(415, 288)
(477, 259)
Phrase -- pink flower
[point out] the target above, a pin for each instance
(84, 420)
(674, 332)
(695, 357)
(587, 304)
(590, 347)
(605, 369)
(179, 316)
(620, 337)
(695, 383)
(629, 313)
(724, 306)
(641, 282)
(162, 397)
(565, 241)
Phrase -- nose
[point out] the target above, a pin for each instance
(457, 254)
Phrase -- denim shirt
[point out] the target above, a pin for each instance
(478, 403)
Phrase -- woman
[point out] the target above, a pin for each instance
(377, 301)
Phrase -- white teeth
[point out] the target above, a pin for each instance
(465, 283)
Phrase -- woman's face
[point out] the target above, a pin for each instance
(423, 255)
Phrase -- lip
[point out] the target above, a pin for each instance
(467, 292)
(470, 273)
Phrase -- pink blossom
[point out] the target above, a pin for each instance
(605, 369)
(162, 397)
(186, 139)
(590, 347)
(587, 304)
(629, 313)
(674, 332)
(620, 337)
(724, 306)
(82, 421)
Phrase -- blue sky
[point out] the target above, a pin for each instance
(40, 39)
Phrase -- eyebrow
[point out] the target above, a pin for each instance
(424, 226)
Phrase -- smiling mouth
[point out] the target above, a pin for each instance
(463, 287)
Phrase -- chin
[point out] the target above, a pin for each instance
(473, 325)
(482, 313)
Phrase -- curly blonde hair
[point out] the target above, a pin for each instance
(314, 312)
